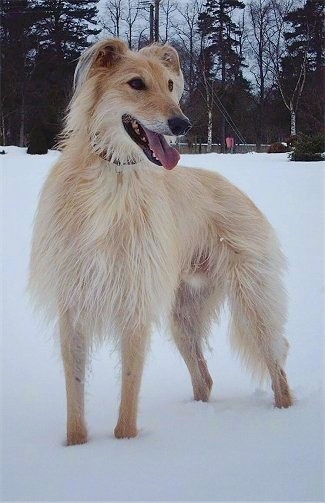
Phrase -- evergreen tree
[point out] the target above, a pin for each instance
(64, 30)
(307, 31)
(17, 39)
(305, 39)
(219, 52)
(40, 41)
(66, 26)
(37, 143)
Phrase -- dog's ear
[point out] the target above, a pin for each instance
(167, 55)
(103, 54)
(110, 52)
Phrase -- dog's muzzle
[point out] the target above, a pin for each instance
(179, 125)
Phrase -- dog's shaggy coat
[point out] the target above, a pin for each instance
(120, 243)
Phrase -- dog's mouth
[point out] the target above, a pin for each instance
(153, 145)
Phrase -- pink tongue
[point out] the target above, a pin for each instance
(167, 155)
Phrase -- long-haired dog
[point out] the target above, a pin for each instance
(123, 240)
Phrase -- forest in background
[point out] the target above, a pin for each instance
(253, 70)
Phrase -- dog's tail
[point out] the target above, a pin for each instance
(258, 305)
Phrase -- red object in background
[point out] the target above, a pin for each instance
(230, 142)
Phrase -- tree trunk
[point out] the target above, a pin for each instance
(157, 2)
(151, 22)
(222, 118)
(22, 121)
(118, 26)
(191, 69)
(209, 144)
(130, 36)
(259, 127)
(293, 122)
(223, 133)
(222, 44)
(3, 129)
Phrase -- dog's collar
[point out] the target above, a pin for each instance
(108, 157)
(116, 163)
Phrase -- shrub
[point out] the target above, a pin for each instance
(37, 141)
(277, 148)
(308, 148)
(291, 141)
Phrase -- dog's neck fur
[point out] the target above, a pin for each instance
(118, 165)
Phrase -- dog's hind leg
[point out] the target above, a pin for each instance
(258, 313)
(133, 348)
(190, 323)
(74, 354)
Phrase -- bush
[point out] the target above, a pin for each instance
(308, 148)
(37, 141)
(291, 141)
(277, 148)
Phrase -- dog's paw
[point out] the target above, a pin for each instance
(282, 394)
(125, 431)
(76, 439)
(77, 436)
(202, 394)
(284, 400)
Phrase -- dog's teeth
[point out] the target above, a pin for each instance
(144, 139)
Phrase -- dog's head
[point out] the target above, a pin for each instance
(128, 100)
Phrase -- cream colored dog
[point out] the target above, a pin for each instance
(123, 240)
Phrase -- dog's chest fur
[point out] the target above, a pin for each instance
(105, 249)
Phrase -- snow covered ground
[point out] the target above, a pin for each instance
(235, 448)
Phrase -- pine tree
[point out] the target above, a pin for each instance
(221, 59)
(66, 25)
(305, 39)
(307, 31)
(40, 41)
(17, 42)
(37, 143)
(64, 29)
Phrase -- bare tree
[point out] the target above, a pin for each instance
(185, 30)
(278, 50)
(120, 19)
(130, 16)
(260, 17)
(112, 19)
(168, 8)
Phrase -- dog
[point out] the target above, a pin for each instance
(122, 240)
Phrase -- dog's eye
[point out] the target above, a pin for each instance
(170, 85)
(137, 84)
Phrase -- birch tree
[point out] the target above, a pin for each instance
(290, 88)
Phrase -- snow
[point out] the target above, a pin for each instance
(236, 447)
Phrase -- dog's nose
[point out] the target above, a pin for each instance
(179, 125)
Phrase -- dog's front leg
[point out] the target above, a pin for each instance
(133, 347)
(74, 354)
